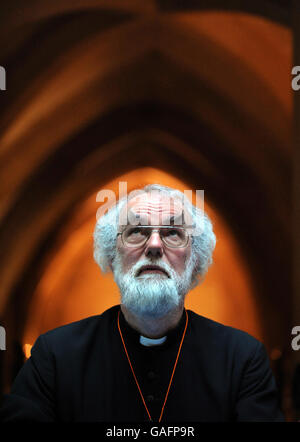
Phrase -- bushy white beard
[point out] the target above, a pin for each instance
(152, 295)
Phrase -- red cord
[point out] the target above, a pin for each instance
(171, 379)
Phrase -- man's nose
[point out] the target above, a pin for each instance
(154, 245)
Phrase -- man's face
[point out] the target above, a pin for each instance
(153, 278)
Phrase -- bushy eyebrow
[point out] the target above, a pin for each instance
(179, 217)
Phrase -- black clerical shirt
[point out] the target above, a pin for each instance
(153, 366)
(80, 372)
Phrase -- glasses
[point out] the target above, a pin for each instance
(137, 236)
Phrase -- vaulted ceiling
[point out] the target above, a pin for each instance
(96, 89)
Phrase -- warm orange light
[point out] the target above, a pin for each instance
(27, 350)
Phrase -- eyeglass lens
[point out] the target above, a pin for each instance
(171, 236)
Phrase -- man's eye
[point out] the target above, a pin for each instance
(133, 231)
(172, 232)
(136, 231)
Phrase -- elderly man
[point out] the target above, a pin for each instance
(147, 359)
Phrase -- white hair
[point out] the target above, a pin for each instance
(152, 296)
(203, 244)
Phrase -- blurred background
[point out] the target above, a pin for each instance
(189, 94)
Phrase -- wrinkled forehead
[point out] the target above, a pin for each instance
(155, 209)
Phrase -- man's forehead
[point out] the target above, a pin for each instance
(155, 209)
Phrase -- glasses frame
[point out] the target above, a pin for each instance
(154, 229)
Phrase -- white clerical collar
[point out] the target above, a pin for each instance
(148, 342)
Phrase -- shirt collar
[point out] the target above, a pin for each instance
(134, 336)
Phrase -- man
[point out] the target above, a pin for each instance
(148, 359)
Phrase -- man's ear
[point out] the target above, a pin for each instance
(110, 265)
(197, 278)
